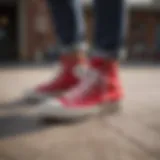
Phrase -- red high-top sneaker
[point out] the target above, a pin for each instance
(110, 72)
(65, 80)
(98, 90)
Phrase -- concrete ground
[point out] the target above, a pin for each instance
(133, 134)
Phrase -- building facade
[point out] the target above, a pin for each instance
(143, 38)
(26, 29)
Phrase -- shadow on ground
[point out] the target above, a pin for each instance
(13, 125)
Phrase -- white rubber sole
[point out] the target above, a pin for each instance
(35, 98)
(68, 113)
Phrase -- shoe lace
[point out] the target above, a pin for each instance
(84, 87)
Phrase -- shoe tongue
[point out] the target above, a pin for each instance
(104, 65)
(73, 60)
(68, 61)
(95, 62)
(80, 71)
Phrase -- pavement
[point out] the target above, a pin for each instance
(131, 134)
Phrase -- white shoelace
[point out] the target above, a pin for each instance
(81, 90)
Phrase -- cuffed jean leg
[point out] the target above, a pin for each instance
(68, 19)
(109, 27)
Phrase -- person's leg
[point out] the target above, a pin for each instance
(69, 24)
(68, 19)
(101, 84)
(108, 39)
(109, 22)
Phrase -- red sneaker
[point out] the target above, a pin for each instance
(110, 72)
(65, 80)
(98, 90)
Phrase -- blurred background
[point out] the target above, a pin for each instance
(27, 34)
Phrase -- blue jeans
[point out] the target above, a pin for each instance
(108, 29)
